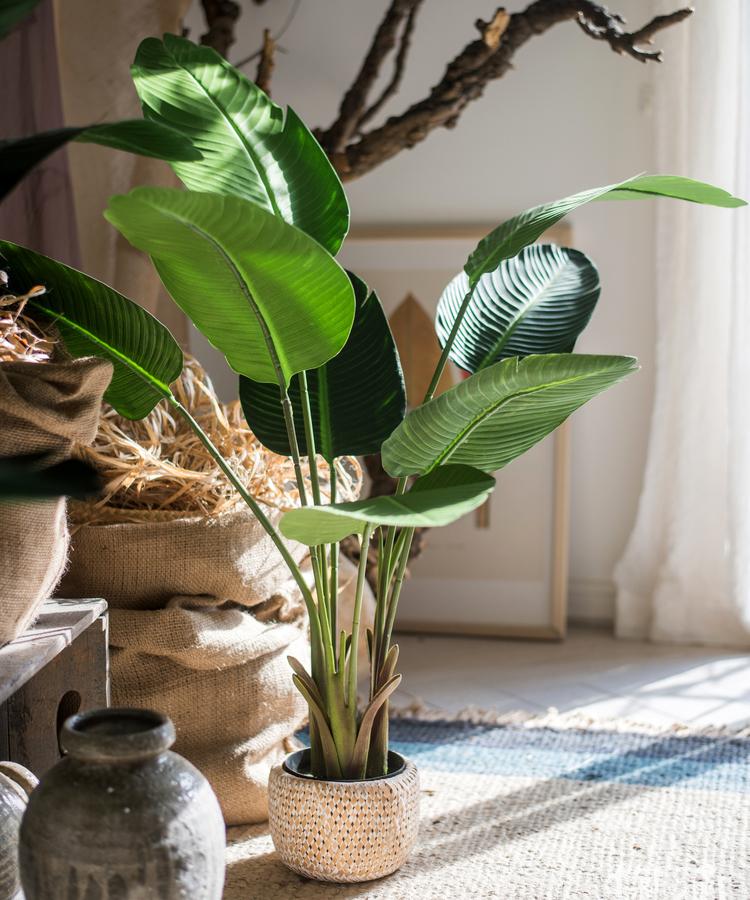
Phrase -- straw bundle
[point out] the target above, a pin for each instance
(158, 463)
(21, 338)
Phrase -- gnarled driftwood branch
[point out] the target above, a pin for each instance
(485, 59)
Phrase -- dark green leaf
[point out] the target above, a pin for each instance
(94, 320)
(357, 398)
(537, 302)
(496, 415)
(250, 148)
(439, 498)
(18, 157)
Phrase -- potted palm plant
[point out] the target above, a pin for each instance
(248, 252)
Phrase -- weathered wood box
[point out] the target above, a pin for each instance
(57, 667)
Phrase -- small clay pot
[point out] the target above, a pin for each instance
(121, 816)
(343, 831)
(16, 783)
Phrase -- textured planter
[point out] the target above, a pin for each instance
(122, 816)
(343, 831)
(16, 783)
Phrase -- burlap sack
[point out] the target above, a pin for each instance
(139, 559)
(44, 408)
(181, 644)
(222, 676)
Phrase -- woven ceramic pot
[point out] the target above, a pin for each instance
(343, 831)
(121, 816)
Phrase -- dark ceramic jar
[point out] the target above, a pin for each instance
(121, 816)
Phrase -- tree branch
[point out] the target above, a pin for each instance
(266, 62)
(484, 60)
(598, 23)
(353, 105)
(221, 16)
(398, 68)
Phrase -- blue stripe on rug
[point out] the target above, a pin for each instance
(697, 762)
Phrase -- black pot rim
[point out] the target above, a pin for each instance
(295, 763)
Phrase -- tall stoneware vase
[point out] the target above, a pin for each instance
(122, 816)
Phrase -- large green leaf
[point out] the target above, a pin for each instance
(264, 293)
(250, 148)
(14, 11)
(439, 498)
(18, 157)
(513, 235)
(499, 413)
(94, 320)
(356, 399)
(537, 302)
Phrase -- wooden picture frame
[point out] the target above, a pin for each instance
(419, 260)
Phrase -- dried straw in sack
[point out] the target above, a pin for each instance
(21, 338)
(48, 404)
(159, 463)
(203, 612)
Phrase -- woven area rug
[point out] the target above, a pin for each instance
(551, 807)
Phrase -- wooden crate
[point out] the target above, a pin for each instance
(58, 667)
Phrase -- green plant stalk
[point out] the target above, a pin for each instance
(403, 554)
(386, 605)
(309, 436)
(351, 694)
(443, 361)
(377, 628)
(286, 406)
(323, 665)
(377, 763)
(318, 553)
(333, 589)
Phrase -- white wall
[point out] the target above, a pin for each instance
(573, 115)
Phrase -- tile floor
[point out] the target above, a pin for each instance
(590, 672)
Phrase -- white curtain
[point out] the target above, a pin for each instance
(685, 574)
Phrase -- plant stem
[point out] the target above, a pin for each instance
(286, 406)
(318, 553)
(403, 552)
(309, 437)
(333, 590)
(447, 347)
(323, 670)
(351, 694)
